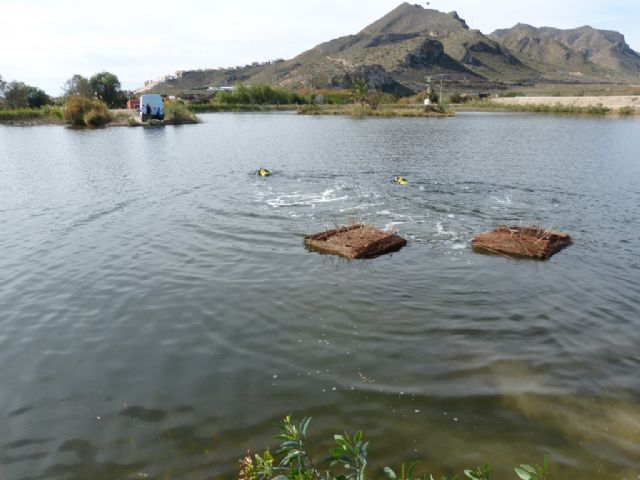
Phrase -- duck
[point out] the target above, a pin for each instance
(263, 172)
(400, 181)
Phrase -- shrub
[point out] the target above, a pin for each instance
(598, 109)
(455, 97)
(509, 94)
(626, 110)
(341, 97)
(178, 112)
(347, 460)
(261, 95)
(97, 116)
(82, 112)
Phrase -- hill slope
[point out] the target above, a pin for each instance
(399, 50)
(585, 51)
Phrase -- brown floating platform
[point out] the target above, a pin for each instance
(355, 241)
(531, 242)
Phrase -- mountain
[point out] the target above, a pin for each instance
(398, 51)
(585, 51)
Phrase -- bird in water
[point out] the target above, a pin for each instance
(400, 181)
(263, 172)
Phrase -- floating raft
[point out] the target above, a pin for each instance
(355, 241)
(532, 242)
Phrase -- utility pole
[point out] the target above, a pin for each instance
(441, 75)
(428, 87)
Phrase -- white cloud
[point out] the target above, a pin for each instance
(44, 42)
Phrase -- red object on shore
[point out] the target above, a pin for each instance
(133, 104)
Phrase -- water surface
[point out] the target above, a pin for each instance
(159, 311)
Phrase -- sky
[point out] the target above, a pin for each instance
(45, 42)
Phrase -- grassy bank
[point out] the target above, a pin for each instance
(386, 110)
(557, 108)
(249, 107)
(33, 116)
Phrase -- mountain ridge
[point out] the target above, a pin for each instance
(396, 52)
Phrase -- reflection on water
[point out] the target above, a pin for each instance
(160, 313)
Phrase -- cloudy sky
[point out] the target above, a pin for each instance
(44, 42)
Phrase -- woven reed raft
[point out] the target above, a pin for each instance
(531, 242)
(355, 241)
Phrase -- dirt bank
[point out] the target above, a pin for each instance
(613, 102)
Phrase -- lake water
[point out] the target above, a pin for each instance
(159, 312)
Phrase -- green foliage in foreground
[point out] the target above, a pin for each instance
(347, 460)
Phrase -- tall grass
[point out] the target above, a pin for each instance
(178, 112)
(82, 112)
(395, 110)
(261, 95)
(218, 107)
(47, 113)
(558, 108)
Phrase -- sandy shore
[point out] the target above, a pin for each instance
(614, 102)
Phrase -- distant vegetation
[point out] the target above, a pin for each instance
(104, 86)
(85, 102)
(260, 95)
(347, 460)
(387, 110)
(598, 109)
(84, 112)
(626, 111)
(46, 114)
(178, 112)
(264, 98)
(17, 95)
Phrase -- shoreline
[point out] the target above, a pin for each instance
(605, 106)
(119, 118)
(619, 106)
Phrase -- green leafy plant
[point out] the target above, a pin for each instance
(534, 472)
(347, 460)
(406, 473)
(351, 454)
(480, 473)
(359, 91)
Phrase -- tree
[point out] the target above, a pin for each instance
(16, 95)
(78, 86)
(106, 87)
(37, 98)
(373, 99)
(3, 86)
(359, 90)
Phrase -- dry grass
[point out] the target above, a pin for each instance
(522, 241)
(395, 110)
